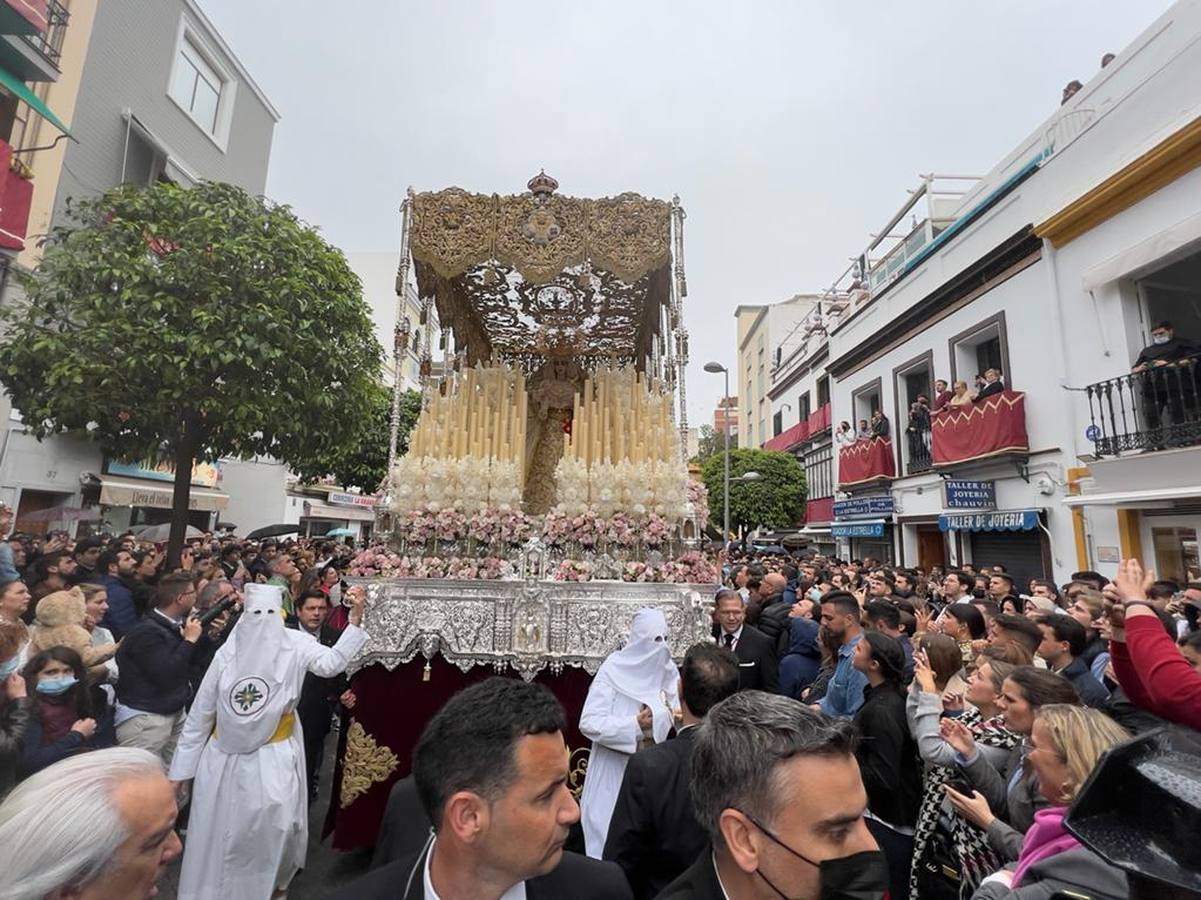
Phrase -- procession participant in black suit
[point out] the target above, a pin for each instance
(318, 695)
(777, 788)
(654, 835)
(491, 770)
(758, 667)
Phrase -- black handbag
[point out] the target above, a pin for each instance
(938, 876)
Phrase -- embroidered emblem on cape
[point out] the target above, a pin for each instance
(248, 695)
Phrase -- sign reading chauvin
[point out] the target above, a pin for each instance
(204, 474)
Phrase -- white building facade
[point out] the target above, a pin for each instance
(1051, 269)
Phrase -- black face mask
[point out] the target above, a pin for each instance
(860, 876)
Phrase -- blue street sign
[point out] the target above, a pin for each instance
(857, 529)
(1093, 433)
(958, 494)
(875, 505)
(1008, 520)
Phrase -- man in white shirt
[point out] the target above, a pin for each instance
(956, 588)
(491, 771)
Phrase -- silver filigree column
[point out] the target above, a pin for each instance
(680, 333)
(401, 328)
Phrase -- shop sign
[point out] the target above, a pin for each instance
(857, 529)
(859, 507)
(339, 498)
(958, 494)
(1009, 520)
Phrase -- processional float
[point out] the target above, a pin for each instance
(543, 497)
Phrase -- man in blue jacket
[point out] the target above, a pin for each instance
(111, 567)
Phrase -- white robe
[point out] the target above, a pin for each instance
(610, 720)
(248, 829)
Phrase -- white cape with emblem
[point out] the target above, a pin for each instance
(248, 827)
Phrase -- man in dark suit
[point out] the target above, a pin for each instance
(777, 789)
(758, 666)
(491, 771)
(992, 385)
(654, 835)
(318, 694)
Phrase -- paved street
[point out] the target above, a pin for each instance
(327, 868)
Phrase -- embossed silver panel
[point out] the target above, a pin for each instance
(528, 625)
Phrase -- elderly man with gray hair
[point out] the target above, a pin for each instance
(99, 826)
(776, 786)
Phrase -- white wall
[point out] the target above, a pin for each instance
(257, 494)
(51, 465)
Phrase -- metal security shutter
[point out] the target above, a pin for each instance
(1020, 552)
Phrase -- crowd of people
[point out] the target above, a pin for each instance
(851, 730)
(103, 645)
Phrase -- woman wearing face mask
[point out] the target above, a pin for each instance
(943, 841)
(66, 719)
(1005, 798)
(1066, 743)
(14, 704)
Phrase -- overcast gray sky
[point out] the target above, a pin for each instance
(790, 130)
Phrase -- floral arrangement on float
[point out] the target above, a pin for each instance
(377, 562)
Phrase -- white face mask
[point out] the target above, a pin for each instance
(1160, 338)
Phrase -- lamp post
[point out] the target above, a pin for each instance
(714, 368)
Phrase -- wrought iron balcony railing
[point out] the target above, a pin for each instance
(919, 456)
(49, 43)
(1154, 409)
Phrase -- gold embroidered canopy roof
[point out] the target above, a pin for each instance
(538, 274)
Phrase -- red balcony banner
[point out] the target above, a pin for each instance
(820, 510)
(16, 197)
(994, 426)
(866, 461)
(788, 437)
(819, 419)
(35, 12)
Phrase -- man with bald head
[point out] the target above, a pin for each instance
(770, 612)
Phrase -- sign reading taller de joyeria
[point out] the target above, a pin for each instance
(959, 494)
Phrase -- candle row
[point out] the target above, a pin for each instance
(622, 415)
(484, 416)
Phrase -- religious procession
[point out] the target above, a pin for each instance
(521, 560)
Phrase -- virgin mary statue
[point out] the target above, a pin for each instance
(552, 391)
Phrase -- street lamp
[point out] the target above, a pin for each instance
(715, 368)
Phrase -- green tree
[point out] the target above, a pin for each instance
(713, 441)
(192, 323)
(364, 463)
(777, 500)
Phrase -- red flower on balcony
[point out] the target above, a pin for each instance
(866, 461)
(990, 428)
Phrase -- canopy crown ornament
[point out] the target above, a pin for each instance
(542, 186)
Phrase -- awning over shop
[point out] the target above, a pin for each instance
(315, 509)
(1156, 496)
(862, 528)
(116, 491)
(1002, 520)
(21, 91)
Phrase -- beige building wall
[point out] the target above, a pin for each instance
(60, 96)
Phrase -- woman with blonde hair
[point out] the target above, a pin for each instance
(1066, 743)
(960, 395)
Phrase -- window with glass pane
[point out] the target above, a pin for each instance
(197, 88)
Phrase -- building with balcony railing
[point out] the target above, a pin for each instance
(151, 92)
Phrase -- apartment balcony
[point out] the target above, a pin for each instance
(864, 462)
(35, 55)
(1145, 411)
(812, 426)
(993, 427)
(819, 420)
(820, 510)
(16, 195)
(23, 16)
(789, 437)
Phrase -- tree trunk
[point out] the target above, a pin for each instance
(185, 456)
